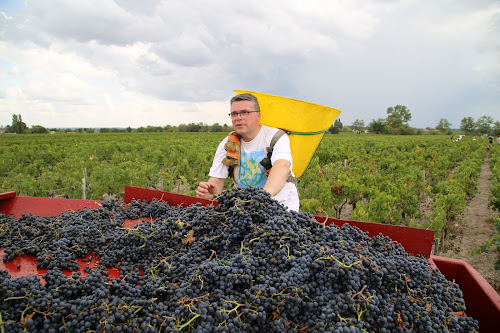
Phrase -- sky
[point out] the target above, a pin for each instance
(121, 63)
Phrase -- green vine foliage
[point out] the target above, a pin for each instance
(385, 179)
(382, 179)
(495, 170)
(54, 165)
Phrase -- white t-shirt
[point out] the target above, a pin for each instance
(250, 172)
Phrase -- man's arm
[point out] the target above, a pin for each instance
(277, 177)
(207, 190)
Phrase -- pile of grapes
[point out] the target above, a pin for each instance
(246, 265)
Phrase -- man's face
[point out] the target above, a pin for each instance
(248, 127)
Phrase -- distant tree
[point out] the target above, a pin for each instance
(483, 124)
(443, 125)
(496, 128)
(333, 130)
(168, 128)
(149, 129)
(358, 125)
(37, 129)
(336, 127)
(216, 128)
(192, 127)
(18, 126)
(408, 131)
(377, 126)
(468, 125)
(398, 116)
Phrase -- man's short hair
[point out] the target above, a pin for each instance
(247, 97)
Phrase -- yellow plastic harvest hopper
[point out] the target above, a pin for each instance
(306, 121)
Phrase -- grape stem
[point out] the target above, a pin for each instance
(341, 263)
(359, 292)
(188, 322)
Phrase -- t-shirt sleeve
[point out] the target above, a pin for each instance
(282, 151)
(219, 170)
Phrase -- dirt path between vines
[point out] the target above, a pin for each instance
(475, 229)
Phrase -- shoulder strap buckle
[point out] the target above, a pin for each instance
(266, 161)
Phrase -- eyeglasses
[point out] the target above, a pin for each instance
(243, 114)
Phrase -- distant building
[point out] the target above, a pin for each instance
(3, 129)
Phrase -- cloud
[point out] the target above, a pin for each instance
(109, 63)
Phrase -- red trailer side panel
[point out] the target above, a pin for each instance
(415, 241)
(7, 195)
(18, 206)
(173, 199)
(481, 300)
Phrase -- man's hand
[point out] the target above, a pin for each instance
(207, 190)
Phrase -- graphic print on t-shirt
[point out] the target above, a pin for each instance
(250, 172)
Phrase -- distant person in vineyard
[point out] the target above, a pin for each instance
(243, 156)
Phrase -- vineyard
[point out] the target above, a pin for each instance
(419, 181)
(248, 263)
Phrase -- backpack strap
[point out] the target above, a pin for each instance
(266, 161)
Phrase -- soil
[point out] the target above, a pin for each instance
(475, 229)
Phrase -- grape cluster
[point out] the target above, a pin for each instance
(246, 265)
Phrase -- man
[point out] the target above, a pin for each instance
(254, 139)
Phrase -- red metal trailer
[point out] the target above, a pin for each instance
(482, 301)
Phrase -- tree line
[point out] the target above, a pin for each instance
(396, 122)
(18, 126)
(399, 116)
(483, 125)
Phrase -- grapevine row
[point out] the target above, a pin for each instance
(382, 179)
